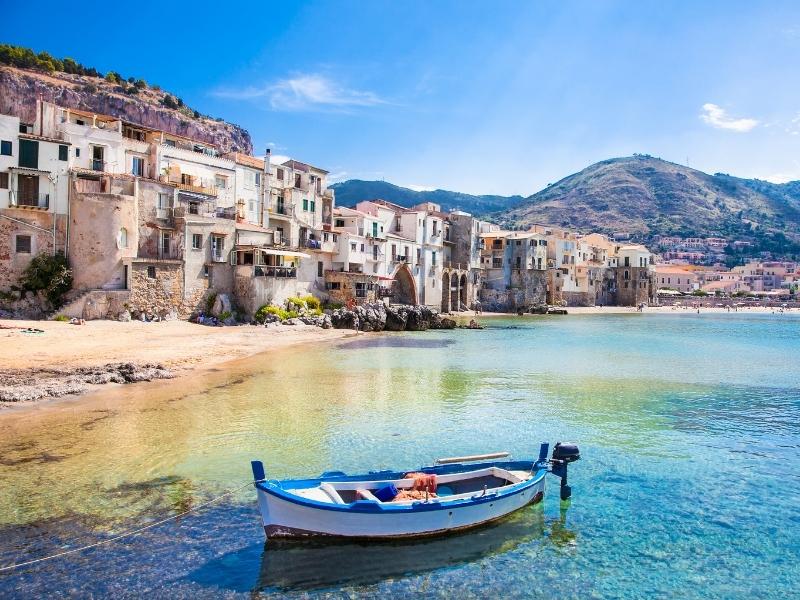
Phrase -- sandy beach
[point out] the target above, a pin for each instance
(69, 359)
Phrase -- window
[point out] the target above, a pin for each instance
(77, 152)
(339, 222)
(4, 181)
(63, 153)
(519, 262)
(194, 208)
(433, 258)
(122, 239)
(362, 247)
(353, 246)
(628, 276)
(29, 154)
(164, 201)
(320, 268)
(305, 204)
(205, 270)
(375, 253)
(313, 205)
(151, 272)
(137, 166)
(258, 179)
(335, 237)
(325, 236)
(23, 245)
(251, 206)
(419, 255)
(249, 180)
(280, 205)
(217, 247)
(279, 175)
(627, 261)
(165, 243)
(221, 182)
(197, 241)
(279, 237)
(25, 128)
(333, 285)
(5, 148)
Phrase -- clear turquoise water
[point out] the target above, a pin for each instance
(689, 486)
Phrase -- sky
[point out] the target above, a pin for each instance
(479, 97)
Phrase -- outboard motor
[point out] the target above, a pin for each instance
(563, 454)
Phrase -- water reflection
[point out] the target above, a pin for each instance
(316, 565)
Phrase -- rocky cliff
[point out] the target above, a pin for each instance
(19, 89)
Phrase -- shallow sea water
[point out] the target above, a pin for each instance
(689, 427)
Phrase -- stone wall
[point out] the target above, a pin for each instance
(637, 288)
(163, 294)
(529, 288)
(12, 264)
(95, 252)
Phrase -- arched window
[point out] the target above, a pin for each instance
(122, 240)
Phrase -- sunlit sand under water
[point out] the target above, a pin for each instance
(689, 428)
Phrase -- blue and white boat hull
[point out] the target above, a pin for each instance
(453, 495)
(286, 517)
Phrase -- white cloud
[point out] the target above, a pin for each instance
(718, 117)
(305, 92)
(419, 188)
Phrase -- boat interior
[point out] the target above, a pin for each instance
(446, 487)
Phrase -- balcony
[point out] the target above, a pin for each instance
(401, 258)
(276, 271)
(228, 212)
(208, 190)
(30, 200)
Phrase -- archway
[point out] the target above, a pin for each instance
(462, 292)
(446, 293)
(404, 288)
(453, 287)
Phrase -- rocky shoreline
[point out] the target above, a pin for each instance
(379, 317)
(21, 385)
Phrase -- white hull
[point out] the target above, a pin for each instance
(285, 518)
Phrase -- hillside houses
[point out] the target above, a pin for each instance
(156, 224)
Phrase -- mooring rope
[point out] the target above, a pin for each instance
(128, 533)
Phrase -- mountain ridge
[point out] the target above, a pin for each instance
(637, 197)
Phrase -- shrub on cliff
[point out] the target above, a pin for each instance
(50, 275)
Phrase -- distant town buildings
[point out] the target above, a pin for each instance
(158, 224)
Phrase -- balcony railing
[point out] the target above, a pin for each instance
(98, 165)
(30, 200)
(208, 190)
(269, 271)
(401, 258)
(228, 212)
(279, 209)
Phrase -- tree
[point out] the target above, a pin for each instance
(50, 275)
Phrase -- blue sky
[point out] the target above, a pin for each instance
(490, 97)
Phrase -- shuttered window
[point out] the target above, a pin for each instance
(5, 148)
(63, 153)
(29, 154)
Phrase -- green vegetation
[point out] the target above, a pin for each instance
(50, 275)
(25, 58)
(701, 293)
(225, 314)
(308, 303)
(61, 318)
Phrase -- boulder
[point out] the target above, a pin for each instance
(445, 323)
(221, 304)
(124, 316)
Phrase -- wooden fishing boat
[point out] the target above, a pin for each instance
(454, 494)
